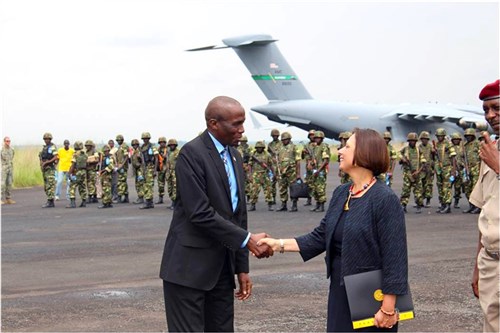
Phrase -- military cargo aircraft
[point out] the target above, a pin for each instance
(290, 103)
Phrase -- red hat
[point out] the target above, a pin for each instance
(490, 91)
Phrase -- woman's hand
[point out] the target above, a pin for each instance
(383, 320)
(271, 242)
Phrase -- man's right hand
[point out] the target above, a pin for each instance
(263, 251)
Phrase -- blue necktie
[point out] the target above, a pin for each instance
(224, 154)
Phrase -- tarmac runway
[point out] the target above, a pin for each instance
(93, 270)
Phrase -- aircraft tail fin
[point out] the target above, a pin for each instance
(268, 67)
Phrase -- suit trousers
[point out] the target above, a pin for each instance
(196, 310)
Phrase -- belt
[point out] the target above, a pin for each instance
(492, 254)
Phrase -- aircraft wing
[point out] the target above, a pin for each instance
(464, 116)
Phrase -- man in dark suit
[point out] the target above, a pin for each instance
(208, 241)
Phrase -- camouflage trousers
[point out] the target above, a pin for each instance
(172, 185)
(122, 186)
(288, 176)
(382, 178)
(49, 182)
(248, 184)
(444, 185)
(79, 183)
(162, 177)
(473, 177)
(139, 182)
(261, 180)
(319, 187)
(427, 180)
(149, 182)
(458, 185)
(7, 180)
(309, 180)
(91, 180)
(106, 184)
(408, 185)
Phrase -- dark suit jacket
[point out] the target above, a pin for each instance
(204, 229)
(374, 237)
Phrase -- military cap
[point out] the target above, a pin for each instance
(285, 135)
(78, 145)
(319, 134)
(47, 136)
(387, 135)
(162, 139)
(172, 142)
(106, 148)
(456, 136)
(490, 91)
(89, 143)
(470, 131)
(260, 144)
(440, 132)
(135, 142)
(275, 132)
(424, 135)
(119, 137)
(243, 138)
(145, 135)
(311, 132)
(412, 136)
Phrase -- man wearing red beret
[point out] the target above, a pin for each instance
(485, 279)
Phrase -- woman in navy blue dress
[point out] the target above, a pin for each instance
(363, 230)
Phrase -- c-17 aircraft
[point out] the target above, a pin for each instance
(290, 102)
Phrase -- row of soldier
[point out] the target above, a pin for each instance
(91, 169)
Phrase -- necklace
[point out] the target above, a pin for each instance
(346, 205)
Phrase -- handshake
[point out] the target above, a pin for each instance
(261, 245)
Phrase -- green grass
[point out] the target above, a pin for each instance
(27, 171)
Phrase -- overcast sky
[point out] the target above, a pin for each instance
(93, 69)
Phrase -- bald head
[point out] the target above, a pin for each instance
(224, 117)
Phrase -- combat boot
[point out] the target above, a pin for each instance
(9, 201)
(440, 208)
(446, 209)
(270, 207)
(476, 210)
(294, 206)
(94, 199)
(160, 200)
(115, 199)
(72, 203)
(124, 199)
(139, 201)
(315, 209)
(419, 209)
(456, 205)
(471, 207)
(83, 204)
(321, 207)
(108, 205)
(252, 207)
(148, 204)
(404, 209)
(49, 204)
(283, 207)
(308, 202)
(427, 202)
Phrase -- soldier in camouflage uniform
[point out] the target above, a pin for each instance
(427, 177)
(260, 164)
(445, 169)
(343, 137)
(458, 184)
(150, 160)
(471, 163)
(48, 159)
(413, 162)
(138, 171)
(386, 177)
(121, 157)
(307, 155)
(244, 150)
(289, 170)
(162, 167)
(7, 171)
(78, 175)
(92, 162)
(106, 168)
(321, 160)
(273, 148)
(173, 153)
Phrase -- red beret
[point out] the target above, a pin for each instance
(490, 91)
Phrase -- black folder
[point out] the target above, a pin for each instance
(364, 293)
